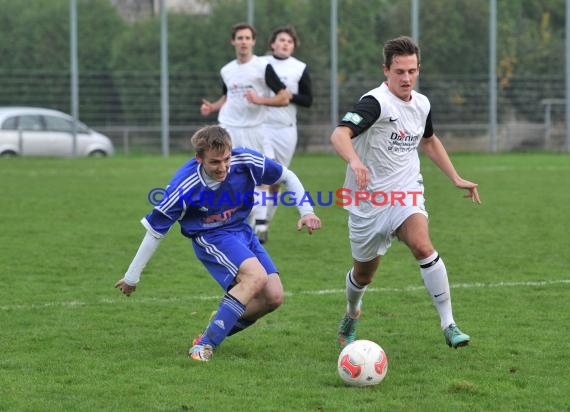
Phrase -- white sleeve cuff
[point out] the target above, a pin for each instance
(150, 230)
(146, 250)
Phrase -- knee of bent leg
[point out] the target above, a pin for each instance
(274, 300)
(364, 278)
(274, 295)
(254, 281)
(364, 274)
(423, 250)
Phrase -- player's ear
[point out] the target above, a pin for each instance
(198, 158)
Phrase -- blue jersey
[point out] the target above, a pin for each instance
(198, 209)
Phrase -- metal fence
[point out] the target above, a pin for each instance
(530, 114)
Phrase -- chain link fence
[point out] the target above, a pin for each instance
(127, 108)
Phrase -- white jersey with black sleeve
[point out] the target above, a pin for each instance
(290, 72)
(387, 133)
(238, 78)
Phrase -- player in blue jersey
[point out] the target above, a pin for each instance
(211, 197)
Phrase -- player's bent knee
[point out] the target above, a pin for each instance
(252, 275)
(364, 278)
(273, 293)
(423, 251)
(274, 300)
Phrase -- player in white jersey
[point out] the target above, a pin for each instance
(250, 85)
(379, 140)
(280, 123)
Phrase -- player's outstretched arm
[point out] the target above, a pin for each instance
(310, 221)
(433, 148)
(308, 218)
(471, 187)
(129, 281)
(125, 287)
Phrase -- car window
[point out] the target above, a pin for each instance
(10, 123)
(57, 124)
(30, 122)
(81, 128)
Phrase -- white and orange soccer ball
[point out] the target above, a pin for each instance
(362, 363)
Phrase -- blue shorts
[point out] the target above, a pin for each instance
(223, 251)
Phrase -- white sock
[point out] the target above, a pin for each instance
(354, 293)
(260, 210)
(435, 279)
(271, 209)
(272, 203)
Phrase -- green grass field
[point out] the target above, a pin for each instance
(71, 342)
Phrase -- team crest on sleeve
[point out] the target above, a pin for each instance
(353, 118)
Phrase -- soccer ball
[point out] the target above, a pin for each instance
(362, 363)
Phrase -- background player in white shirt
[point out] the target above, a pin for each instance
(250, 85)
(379, 141)
(280, 123)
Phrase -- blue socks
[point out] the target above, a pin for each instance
(240, 325)
(227, 315)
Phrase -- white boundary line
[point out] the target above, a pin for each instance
(120, 299)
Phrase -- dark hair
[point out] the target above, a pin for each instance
(400, 46)
(284, 29)
(211, 138)
(243, 26)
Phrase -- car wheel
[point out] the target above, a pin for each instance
(97, 153)
(8, 153)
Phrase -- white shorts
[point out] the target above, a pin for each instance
(372, 236)
(280, 143)
(248, 137)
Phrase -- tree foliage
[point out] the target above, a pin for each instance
(454, 38)
(35, 38)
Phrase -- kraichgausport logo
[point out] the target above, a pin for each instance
(340, 197)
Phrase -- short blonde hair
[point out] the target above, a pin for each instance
(211, 138)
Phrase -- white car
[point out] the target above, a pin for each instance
(33, 131)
